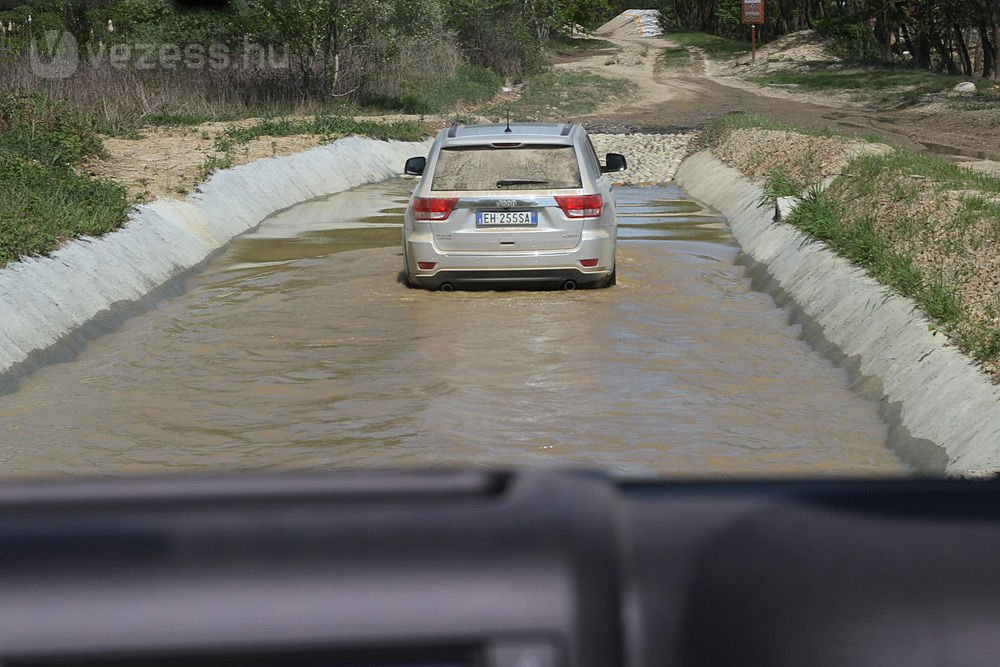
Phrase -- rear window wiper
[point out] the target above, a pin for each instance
(519, 181)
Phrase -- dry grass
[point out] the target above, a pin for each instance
(121, 99)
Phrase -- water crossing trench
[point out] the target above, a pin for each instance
(298, 348)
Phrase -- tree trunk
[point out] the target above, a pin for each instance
(947, 59)
(996, 51)
(977, 54)
(963, 48)
(923, 53)
(910, 45)
(989, 53)
(994, 31)
(884, 37)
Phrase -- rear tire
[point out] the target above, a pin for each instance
(406, 270)
(612, 280)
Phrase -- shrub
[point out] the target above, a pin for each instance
(850, 37)
(46, 131)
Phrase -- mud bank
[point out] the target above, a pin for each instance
(944, 414)
(49, 306)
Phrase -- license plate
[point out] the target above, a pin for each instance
(506, 218)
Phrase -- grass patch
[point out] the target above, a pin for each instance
(178, 119)
(43, 206)
(867, 169)
(470, 85)
(555, 96)
(780, 183)
(981, 100)
(984, 345)
(43, 201)
(46, 131)
(718, 48)
(328, 127)
(882, 85)
(214, 163)
(717, 129)
(926, 228)
(978, 208)
(861, 242)
(566, 46)
(674, 57)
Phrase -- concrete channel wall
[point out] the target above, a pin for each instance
(50, 305)
(944, 414)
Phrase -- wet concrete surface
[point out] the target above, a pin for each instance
(299, 348)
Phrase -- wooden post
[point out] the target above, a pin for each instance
(753, 14)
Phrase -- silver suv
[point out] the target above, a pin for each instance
(521, 203)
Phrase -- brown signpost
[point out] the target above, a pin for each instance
(753, 15)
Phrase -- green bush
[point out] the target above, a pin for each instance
(850, 37)
(46, 131)
(470, 85)
(43, 201)
(497, 35)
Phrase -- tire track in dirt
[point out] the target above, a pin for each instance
(687, 98)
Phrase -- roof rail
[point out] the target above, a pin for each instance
(566, 128)
(453, 130)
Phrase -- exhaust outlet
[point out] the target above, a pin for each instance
(569, 285)
(447, 287)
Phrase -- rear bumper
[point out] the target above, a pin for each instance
(510, 268)
(510, 277)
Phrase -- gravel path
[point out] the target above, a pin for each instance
(652, 158)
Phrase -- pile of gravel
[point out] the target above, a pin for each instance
(805, 158)
(652, 158)
(801, 51)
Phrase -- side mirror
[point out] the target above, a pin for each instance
(614, 162)
(415, 166)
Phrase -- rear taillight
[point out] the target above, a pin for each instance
(433, 208)
(581, 206)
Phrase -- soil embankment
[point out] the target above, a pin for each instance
(941, 409)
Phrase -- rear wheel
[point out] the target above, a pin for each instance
(406, 269)
(612, 279)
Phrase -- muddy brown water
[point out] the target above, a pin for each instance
(298, 348)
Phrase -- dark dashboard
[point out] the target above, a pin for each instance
(497, 569)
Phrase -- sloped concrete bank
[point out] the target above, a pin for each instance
(50, 305)
(944, 414)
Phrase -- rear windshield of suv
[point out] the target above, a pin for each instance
(531, 167)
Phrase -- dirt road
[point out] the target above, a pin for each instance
(678, 98)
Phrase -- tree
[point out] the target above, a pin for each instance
(502, 35)
(317, 33)
(935, 33)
